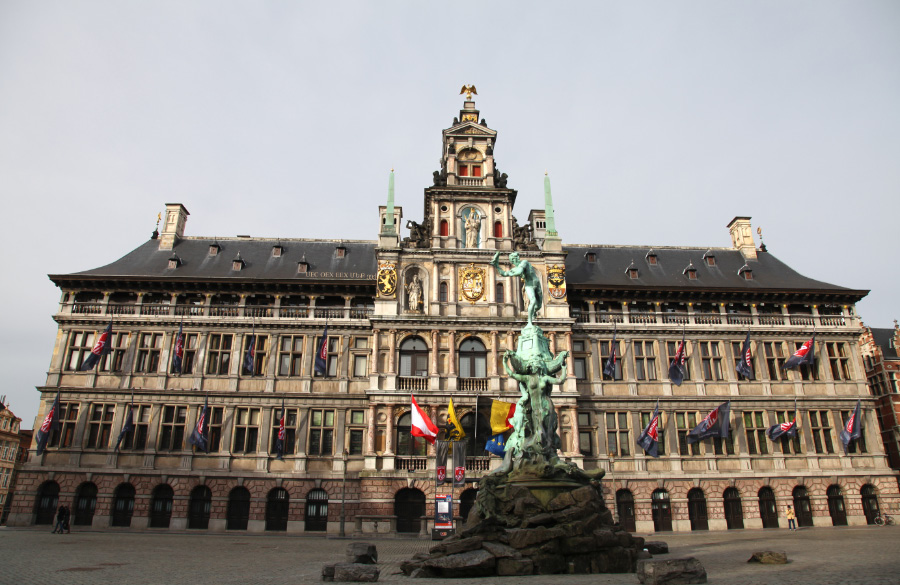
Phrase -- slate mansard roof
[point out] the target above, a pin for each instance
(884, 337)
(195, 262)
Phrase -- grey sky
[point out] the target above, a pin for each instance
(658, 122)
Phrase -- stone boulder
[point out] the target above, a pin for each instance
(475, 563)
(768, 557)
(358, 572)
(656, 547)
(671, 571)
(362, 553)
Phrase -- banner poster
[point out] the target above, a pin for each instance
(459, 463)
(440, 468)
(443, 516)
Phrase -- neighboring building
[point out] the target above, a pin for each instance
(428, 315)
(9, 454)
(880, 350)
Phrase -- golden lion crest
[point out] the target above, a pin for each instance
(386, 280)
(471, 283)
(556, 277)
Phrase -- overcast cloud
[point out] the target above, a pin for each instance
(658, 123)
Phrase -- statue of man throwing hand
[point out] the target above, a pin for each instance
(531, 282)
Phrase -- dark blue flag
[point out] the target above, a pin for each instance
(676, 368)
(200, 435)
(744, 365)
(609, 368)
(853, 429)
(496, 444)
(279, 442)
(805, 355)
(178, 359)
(128, 426)
(51, 423)
(100, 349)
(250, 354)
(649, 439)
(786, 429)
(716, 424)
(321, 367)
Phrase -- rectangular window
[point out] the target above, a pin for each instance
(290, 356)
(80, 345)
(171, 428)
(604, 356)
(617, 435)
(100, 425)
(755, 428)
(149, 349)
(290, 431)
(321, 432)
(246, 430)
(333, 355)
(672, 349)
(112, 362)
(789, 446)
(644, 360)
(807, 372)
(259, 360)
(360, 357)
(136, 439)
(686, 421)
(724, 446)
(585, 442)
(839, 360)
(216, 416)
(190, 352)
(660, 429)
(580, 368)
(219, 354)
(859, 445)
(736, 348)
(357, 432)
(711, 361)
(68, 418)
(774, 351)
(820, 429)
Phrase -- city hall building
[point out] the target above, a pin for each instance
(426, 314)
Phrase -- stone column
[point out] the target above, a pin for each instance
(389, 433)
(570, 361)
(392, 347)
(494, 341)
(347, 301)
(370, 431)
(435, 338)
(552, 337)
(376, 337)
(451, 356)
(575, 445)
(432, 414)
(312, 307)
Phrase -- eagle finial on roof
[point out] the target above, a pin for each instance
(468, 90)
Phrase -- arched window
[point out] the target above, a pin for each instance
(409, 507)
(407, 444)
(869, 502)
(734, 512)
(836, 505)
(161, 506)
(466, 501)
(498, 293)
(198, 508)
(475, 441)
(767, 508)
(445, 227)
(442, 292)
(469, 163)
(472, 359)
(802, 507)
(662, 511)
(85, 504)
(45, 503)
(697, 510)
(278, 504)
(238, 513)
(316, 511)
(625, 509)
(413, 357)
(123, 505)
(498, 229)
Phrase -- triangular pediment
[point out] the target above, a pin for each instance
(469, 129)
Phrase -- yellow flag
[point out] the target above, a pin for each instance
(457, 432)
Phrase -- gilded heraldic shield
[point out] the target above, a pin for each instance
(459, 474)
(471, 283)
(556, 277)
(386, 280)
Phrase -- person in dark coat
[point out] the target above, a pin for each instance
(60, 520)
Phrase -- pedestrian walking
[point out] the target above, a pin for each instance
(60, 517)
(66, 518)
(791, 518)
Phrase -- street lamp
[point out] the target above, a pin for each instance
(343, 493)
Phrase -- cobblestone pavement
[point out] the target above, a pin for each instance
(821, 556)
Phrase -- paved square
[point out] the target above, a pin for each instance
(821, 556)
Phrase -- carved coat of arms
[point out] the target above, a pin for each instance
(471, 283)
(386, 279)
(556, 277)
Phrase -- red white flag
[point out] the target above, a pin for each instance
(421, 424)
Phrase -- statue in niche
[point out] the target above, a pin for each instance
(473, 227)
(414, 294)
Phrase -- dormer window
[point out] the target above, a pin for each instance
(591, 257)
(302, 266)
(690, 272)
(238, 262)
(745, 272)
(214, 249)
(174, 262)
(709, 258)
(340, 251)
(469, 163)
(651, 258)
(632, 271)
(277, 251)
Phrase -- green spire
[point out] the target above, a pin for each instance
(548, 209)
(389, 220)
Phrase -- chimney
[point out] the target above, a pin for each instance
(173, 225)
(742, 237)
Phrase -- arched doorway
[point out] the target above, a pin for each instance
(85, 503)
(697, 510)
(869, 503)
(238, 513)
(466, 501)
(161, 506)
(734, 511)
(316, 511)
(198, 507)
(123, 505)
(768, 510)
(802, 507)
(278, 504)
(836, 505)
(409, 507)
(625, 509)
(45, 503)
(662, 511)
